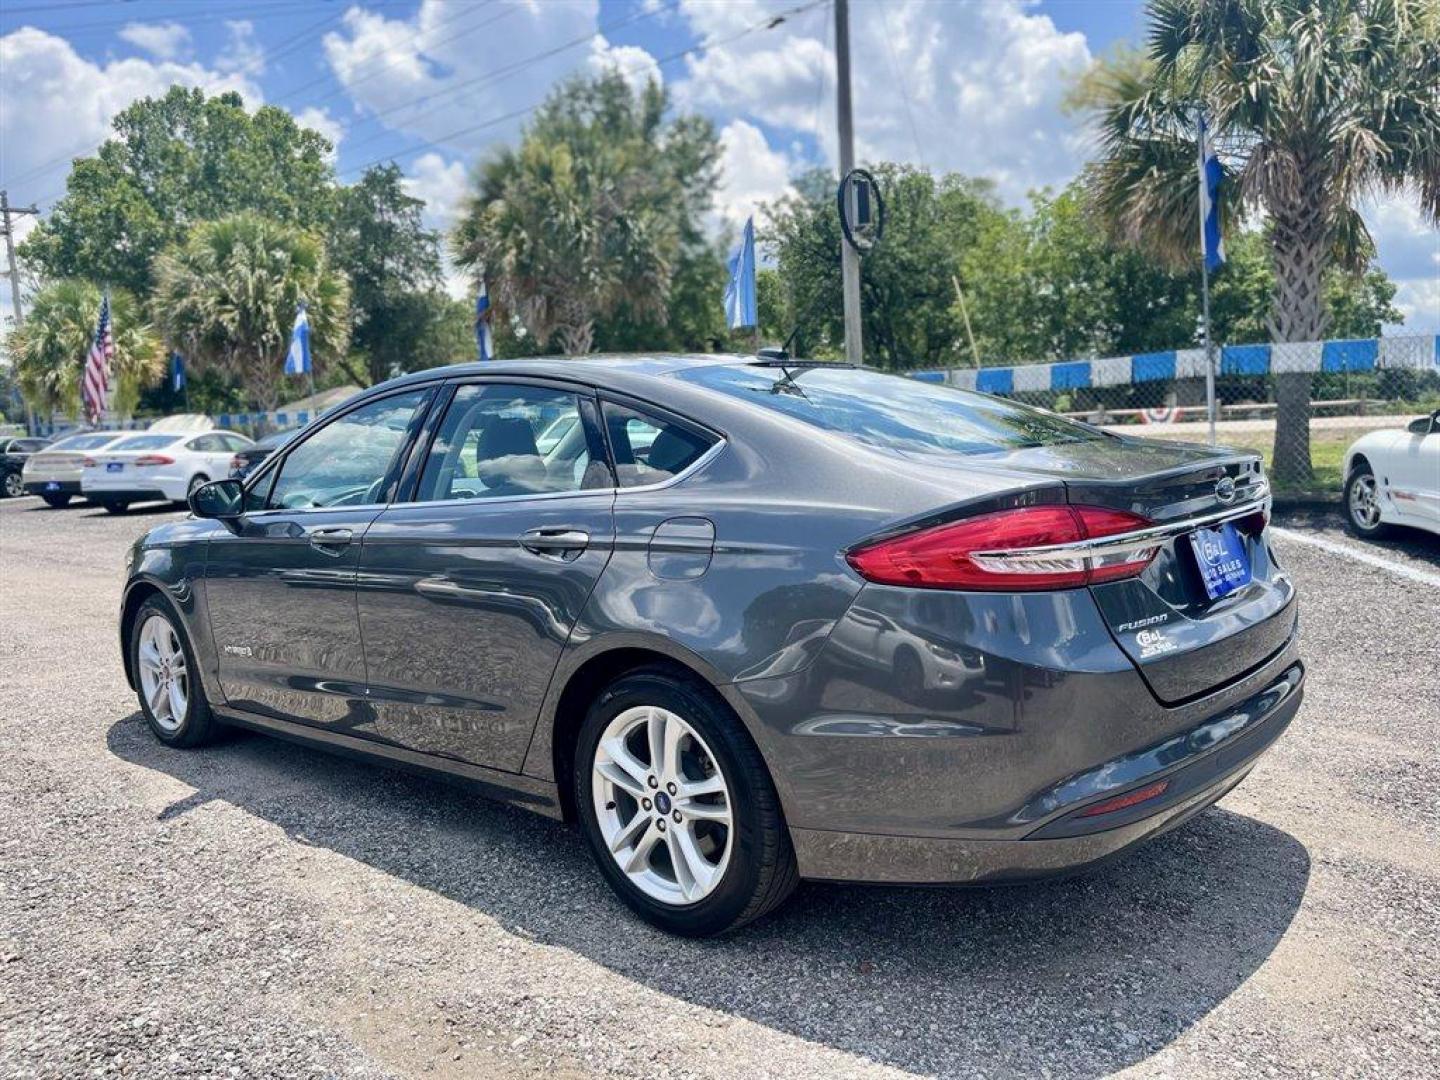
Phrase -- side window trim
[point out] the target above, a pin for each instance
(270, 469)
(659, 412)
(589, 408)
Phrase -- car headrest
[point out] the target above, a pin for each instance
(504, 436)
(672, 450)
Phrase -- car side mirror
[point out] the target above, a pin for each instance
(223, 500)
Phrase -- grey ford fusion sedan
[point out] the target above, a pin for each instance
(745, 620)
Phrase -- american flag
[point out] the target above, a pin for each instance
(95, 388)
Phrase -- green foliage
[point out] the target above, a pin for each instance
(227, 298)
(1047, 284)
(907, 290)
(175, 161)
(1312, 106)
(50, 347)
(586, 227)
(393, 265)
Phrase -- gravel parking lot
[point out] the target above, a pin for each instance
(260, 909)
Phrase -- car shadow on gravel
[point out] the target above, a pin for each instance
(1416, 543)
(1079, 977)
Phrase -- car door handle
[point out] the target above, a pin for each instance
(555, 543)
(330, 540)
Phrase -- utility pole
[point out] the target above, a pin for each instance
(849, 257)
(6, 213)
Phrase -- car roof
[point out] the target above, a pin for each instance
(586, 367)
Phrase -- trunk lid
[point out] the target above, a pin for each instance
(1184, 642)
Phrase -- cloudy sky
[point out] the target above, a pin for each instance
(972, 85)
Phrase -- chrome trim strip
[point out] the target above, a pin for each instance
(1023, 559)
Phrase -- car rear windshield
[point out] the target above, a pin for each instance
(81, 442)
(146, 442)
(891, 411)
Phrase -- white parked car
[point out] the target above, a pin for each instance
(1392, 477)
(157, 467)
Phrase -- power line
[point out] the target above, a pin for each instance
(768, 23)
(490, 77)
(305, 36)
(388, 64)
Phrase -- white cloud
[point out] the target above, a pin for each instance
(59, 105)
(320, 120)
(243, 54)
(636, 66)
(442, 184)
(422, 75)
(1419, 299)
(1409, 250)
(983, 81)
(751, 173)
(163, 40)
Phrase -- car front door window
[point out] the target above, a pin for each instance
(346, 463)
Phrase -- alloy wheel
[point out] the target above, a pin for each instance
(663, 805)
(164, 677)
(1365, 502)
(14, 485)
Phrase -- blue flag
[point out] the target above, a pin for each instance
(177, 372)
(1212, 245)
(484, 336)
(297, 360)
(740, 292)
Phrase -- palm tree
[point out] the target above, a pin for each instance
(50, 347)
(228, 295)
(582, 218)
(1315, 105)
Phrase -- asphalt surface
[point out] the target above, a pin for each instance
(261, 909)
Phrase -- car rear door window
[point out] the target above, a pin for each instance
(501, 439)
(347, 462)
(649, 449)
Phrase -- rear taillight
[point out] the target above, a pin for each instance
(153, 459)
(237, 462)
(89, 463)
(1031, 548)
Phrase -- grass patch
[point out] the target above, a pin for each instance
(1327, 455)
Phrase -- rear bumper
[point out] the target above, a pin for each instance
(35, 486)
(126, 495)
(1199, 767)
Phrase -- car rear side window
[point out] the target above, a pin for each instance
(649, 449)
(890, 410)
(146, 442)
(82, 442)
(500, 439)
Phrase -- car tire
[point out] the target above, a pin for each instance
(183, 719)
(195, 482)
(746, 865)
(13, 486)
(1362, 505)
(115, 507)
(909, 675)
(56, 502)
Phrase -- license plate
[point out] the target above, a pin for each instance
(115, 466)
(1224, 564)
(52, 485)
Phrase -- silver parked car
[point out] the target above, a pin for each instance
(54, 473)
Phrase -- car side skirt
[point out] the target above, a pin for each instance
(526, 792)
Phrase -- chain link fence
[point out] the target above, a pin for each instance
(1299, 404)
